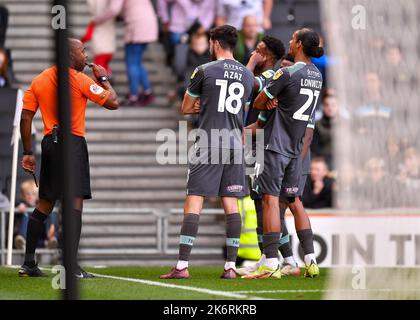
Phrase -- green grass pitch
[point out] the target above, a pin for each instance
(204, 284)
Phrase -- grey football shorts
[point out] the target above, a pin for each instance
(216, 172)
(280, 175)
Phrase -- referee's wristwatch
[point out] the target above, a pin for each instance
(103, 79)
(28, 153)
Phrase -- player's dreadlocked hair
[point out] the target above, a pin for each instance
(275, 46)
(226, 35)
(310, 42)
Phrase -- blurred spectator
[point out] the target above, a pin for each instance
(198, 53)
(248, 38)
(233, 12)
(322, 144)
(182, 18)
(4, 73)
(376, 189)
(29, 199)
(178, 16)
(319, 188)
(374, 114)
(410, 171)
(102, 37)
(141, 28)
(403, 82)
(394, 155)
(347, 186)
(4, 22)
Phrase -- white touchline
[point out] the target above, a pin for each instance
(174, 286)
(318, 290)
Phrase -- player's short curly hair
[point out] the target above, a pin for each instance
(226, 35)
(275, 46)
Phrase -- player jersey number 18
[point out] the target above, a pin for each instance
(236, 92)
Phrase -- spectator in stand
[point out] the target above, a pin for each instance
(180, 20)
(233, 12)
(410, 171)
(141, 28)
(376, 189)
(4, 73)
(248, 38)
(374, 107)
(4, 22)
(322, 144)
(178, 16)
(198, 54)
(102, 37)
(319, 188)
(394, 157)
(29, 199)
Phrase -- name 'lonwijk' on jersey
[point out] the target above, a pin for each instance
(298, 89)
(224, 87)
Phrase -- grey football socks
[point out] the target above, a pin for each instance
(271, 242)
(306, 239)
(189, 231)
(233, 233)
(260, 223)
(284, 242)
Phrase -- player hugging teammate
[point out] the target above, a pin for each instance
(218, 92)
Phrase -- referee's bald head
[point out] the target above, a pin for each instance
(77, 53)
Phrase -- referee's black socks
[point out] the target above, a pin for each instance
(36, 228)
(78, 223)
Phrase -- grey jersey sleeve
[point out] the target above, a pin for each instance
(277, 84)
(264, 78)
(196, 83)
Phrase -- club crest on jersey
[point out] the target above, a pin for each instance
(267, 74)
(95, 89)
(278, 74)
(194, 73)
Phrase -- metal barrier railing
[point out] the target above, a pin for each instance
(162, 232)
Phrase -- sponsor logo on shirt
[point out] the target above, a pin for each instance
(292, 190)
(95, 89)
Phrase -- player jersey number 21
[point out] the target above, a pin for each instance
(299, 115)
(230, 94)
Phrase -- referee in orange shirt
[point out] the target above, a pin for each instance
(42, 95)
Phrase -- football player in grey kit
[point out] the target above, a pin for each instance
(216, 167)
(297, 90)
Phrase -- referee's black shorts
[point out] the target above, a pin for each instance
(50, 185)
